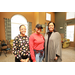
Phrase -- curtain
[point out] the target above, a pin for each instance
(29, 28)
(65, 26)
(7, 28)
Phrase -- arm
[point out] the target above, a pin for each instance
(44, 47)
(16, 52)
(28, 52)
(31, 39)
(58, 46)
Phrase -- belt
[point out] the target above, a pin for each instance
(39, 51)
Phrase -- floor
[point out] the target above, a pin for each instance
(68, 55)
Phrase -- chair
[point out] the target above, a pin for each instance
(65, 43)
(5, 46)
(11, 43)
(0, 47)
(9, 46)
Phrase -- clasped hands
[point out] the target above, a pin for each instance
(24, 60)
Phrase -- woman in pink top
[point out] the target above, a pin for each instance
(36, 44)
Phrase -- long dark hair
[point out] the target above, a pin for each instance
(53, 24)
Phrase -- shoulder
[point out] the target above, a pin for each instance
(26, 37)
(41, 35)
(45, 34)
(32, 35)
(17, 37)
(57, 34)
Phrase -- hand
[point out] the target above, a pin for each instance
(56, 58)
(27, 59)
(22, 60)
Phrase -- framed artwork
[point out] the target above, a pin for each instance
(48, 17)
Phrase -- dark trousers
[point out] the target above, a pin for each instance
(17, 60)
(23, 57)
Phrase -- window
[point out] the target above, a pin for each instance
(70, 15)
(16, 21)
(70, 32)
(48, 17)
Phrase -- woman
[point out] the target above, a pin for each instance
(21, 46)
(36, 44)
(52, 44)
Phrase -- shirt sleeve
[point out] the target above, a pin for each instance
(15, 50)
(31, 40)
(58, 45)
(28, 49)
(44, 42)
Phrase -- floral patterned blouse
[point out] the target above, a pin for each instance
(21, 47)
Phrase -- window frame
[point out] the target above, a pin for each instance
(17, 23)
(74, 32)
(70, 18)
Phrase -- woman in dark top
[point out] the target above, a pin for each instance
(21, 46)
(52, 44)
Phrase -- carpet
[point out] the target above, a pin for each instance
(68, 55)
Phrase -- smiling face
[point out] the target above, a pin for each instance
(51, 27)
(22, 30)
(38, 30)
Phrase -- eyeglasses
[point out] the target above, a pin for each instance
(22, 29)
(51, 25)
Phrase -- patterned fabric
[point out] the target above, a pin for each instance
(21, 47)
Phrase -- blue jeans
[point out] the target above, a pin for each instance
(38, 58)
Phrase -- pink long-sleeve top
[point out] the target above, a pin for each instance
(36, 42)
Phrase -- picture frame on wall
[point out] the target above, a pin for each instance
(48, 17)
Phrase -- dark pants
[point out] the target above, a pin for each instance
(17, 60)
(23, 57)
